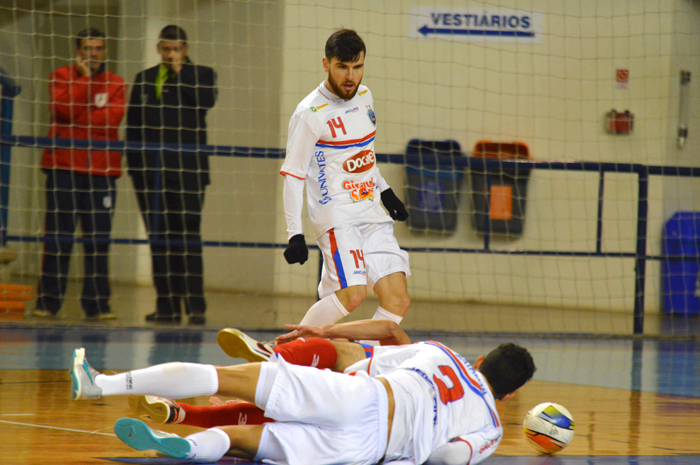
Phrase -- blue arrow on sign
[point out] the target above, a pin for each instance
(425, 30)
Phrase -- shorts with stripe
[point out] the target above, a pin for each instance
(322, 417)
(359, 254)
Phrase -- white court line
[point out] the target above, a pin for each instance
(17, 414)
(56, 428)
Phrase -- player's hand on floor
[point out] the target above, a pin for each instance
(299, 331)
(296, 251)
(395, 207)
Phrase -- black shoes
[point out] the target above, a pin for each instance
(156, 317)
(194, 319)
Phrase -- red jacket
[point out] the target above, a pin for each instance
(85, 108)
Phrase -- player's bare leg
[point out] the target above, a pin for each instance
(175, 380)
(352, 296)
(205, 446)
(245, 440)
(348, 354)
(239, 381)
(392, 291)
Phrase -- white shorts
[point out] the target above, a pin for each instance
(324, 417)
(359, 255)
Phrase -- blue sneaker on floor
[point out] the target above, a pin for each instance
(137, 435)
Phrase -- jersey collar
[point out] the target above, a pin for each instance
(330, 95)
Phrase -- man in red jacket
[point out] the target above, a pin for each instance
(86, 102)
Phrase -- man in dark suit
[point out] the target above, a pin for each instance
(169, 104)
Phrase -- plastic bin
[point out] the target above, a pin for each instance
(508, 188)
(681, 288)
(432, 190)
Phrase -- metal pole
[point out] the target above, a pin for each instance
(599, 229)
(9, 90)
(640, 260)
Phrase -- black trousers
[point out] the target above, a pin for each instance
(171, 205)
(73, 198)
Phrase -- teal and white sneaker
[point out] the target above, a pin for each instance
(82, 377)
(137, 435)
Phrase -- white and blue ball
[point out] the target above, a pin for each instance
(548, 427)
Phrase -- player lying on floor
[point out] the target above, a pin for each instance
(323, 347)
(426, 404)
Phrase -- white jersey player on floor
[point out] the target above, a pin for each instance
(451, 413)
(426, 405)
(330, 150)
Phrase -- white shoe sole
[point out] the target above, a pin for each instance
(154, 410)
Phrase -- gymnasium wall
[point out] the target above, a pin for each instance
(551, 95)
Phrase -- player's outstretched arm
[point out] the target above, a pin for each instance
(385, 331)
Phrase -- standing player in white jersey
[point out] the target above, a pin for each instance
(330, 149)
(426, 405)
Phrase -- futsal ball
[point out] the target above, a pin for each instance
(548, 427)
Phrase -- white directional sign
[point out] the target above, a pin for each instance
(476, 25)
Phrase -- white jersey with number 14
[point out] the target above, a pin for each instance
(331, 147)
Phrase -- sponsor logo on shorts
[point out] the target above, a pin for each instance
(360, 162)
(129, 382)
(360, 190)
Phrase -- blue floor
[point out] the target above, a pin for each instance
(668, 366)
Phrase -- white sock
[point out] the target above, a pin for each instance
(175, 380)
(384, 314)
(208, 446)
(325, 312)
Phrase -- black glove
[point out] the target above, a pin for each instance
(296, 251)
(396, 208)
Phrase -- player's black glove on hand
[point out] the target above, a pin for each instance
(296, 251)
(396, 208)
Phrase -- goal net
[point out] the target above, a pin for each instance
(515, 132)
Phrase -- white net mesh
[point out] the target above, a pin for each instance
(539, 75)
